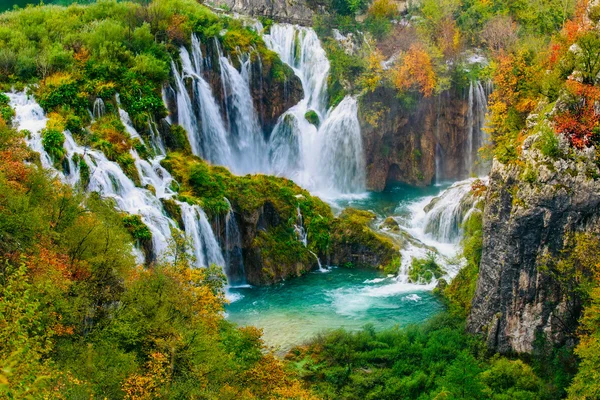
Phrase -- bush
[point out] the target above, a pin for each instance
(138, 230)
(53, 141)
(423, 270)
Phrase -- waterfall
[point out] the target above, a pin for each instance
(107, 179)
(301, 49)
(246, 136)
(301, 233)
(328, 160)
(98, 109)
(418, 223)
(234, 261)
(439, 163)
(476, 135)
(209, 139)
(446, 213)
(205, 249)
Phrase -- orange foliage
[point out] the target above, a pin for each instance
(416, 72)
(580, 122)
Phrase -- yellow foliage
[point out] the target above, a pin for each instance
(416, 72)
(383, 9)
(374, 73)
(148, 386)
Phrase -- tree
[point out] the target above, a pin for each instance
(415, 72)
(500, 33)
(588, 56)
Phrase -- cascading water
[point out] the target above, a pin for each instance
(330, 159)
(476, 135)
(107, 178)
(302, 235)
(98, 109)
(431, 226)
(446, 213)
(205, 247)
(209, 139)
(234, 260)
(246, 137)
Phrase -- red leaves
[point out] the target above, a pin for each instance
(580, 121)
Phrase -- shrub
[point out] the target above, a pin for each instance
(548, 142)
(53, 141)
(423, 270)
(138, 230)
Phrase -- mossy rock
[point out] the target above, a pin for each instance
(173, 211)
(312, 117)
(390, 224)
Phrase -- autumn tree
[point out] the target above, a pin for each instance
(415, 72)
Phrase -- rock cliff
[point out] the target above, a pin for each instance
(400, 141)
(530, 213)
(290, 11)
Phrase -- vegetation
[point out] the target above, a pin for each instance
(433, 360)
(79, 318)
(424, 270)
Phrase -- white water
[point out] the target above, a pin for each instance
(436, 231)
(107, 178)
(476, 135)
(205, 247)
(327, 160)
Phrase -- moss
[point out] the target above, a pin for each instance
(177, 139)
(6, 112)
(138, 230)
(461, 290)
(312, 117)
(84, 170)
(173, 211)
(529, 175)
(423, 270)
(352, 237)
(393, 267)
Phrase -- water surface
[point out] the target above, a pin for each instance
(294, 311)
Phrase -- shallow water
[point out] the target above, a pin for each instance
(293, 312)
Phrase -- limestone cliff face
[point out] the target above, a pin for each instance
(401, 143)
(528, 216)
(290, 11)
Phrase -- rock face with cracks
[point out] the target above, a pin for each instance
(528, 216)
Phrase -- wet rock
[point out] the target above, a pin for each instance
(400, 142)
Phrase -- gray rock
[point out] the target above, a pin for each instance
(290, 11)
(524, 223)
